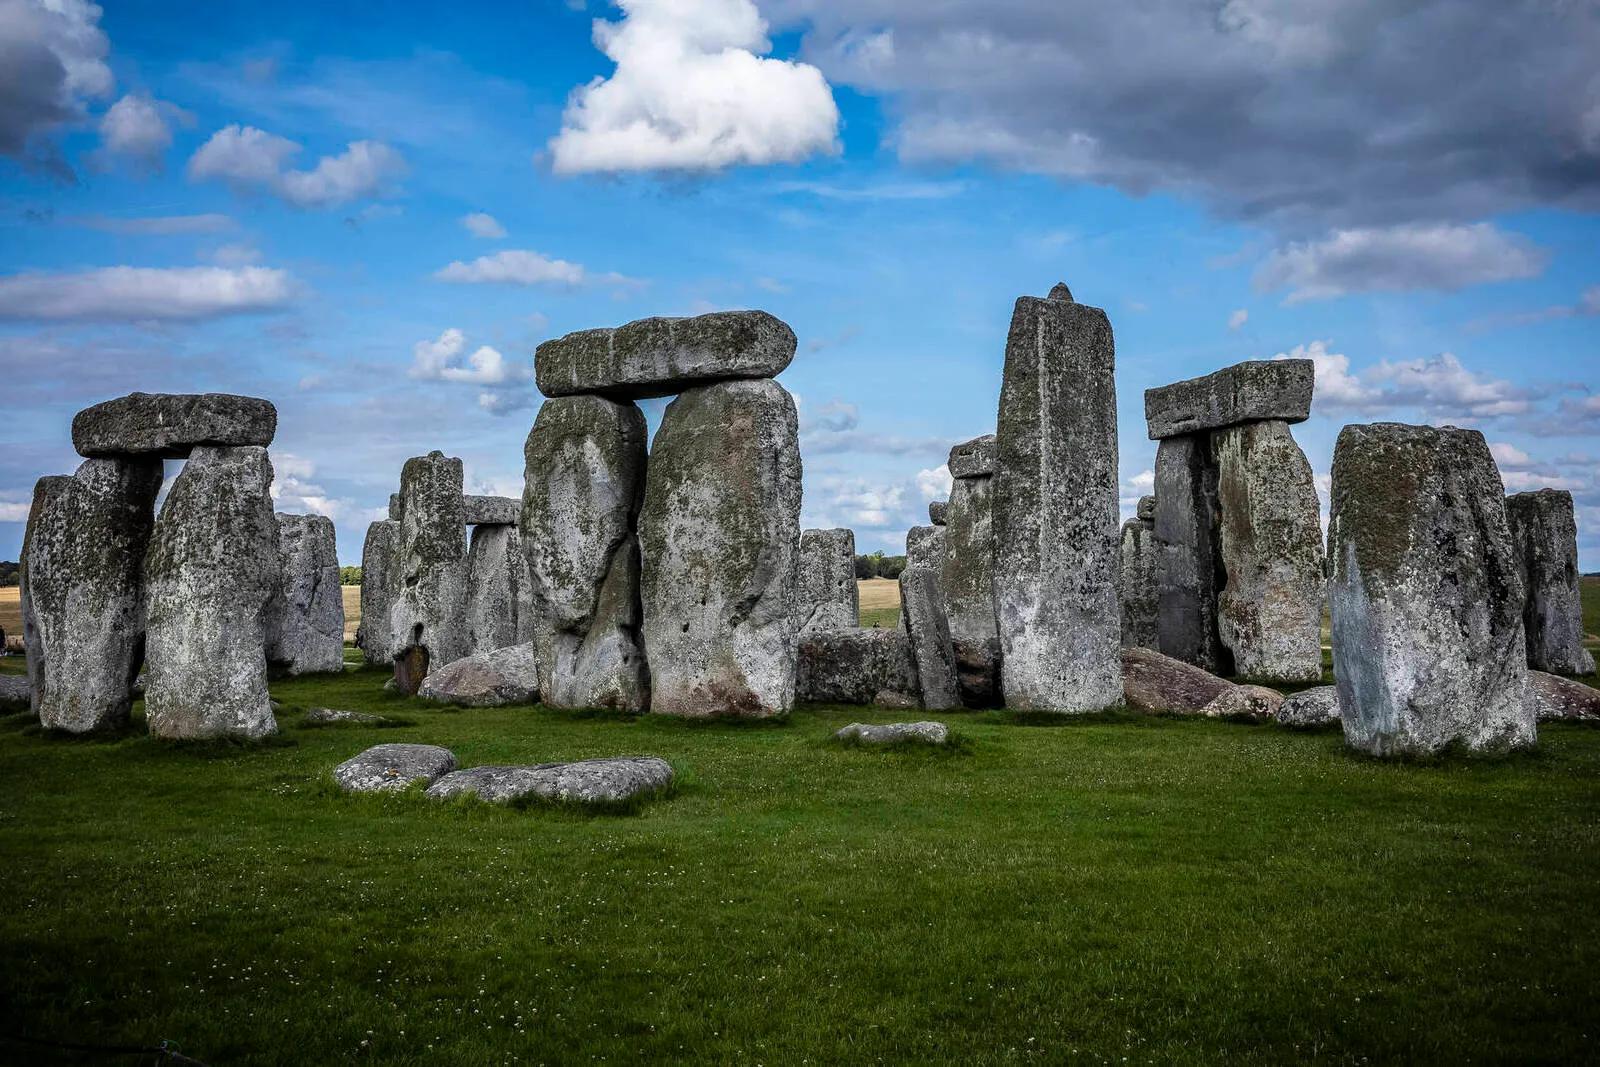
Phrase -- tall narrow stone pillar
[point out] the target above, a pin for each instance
(380, 577)
(428, 616)
(967, 580)
(1546, 538)
(305, 617)
(1139, 598)
(500, 610)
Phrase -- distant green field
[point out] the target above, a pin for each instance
(1590, 591)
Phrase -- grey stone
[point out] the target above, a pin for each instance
(925, 547)
(1310, 707)
(380, 580)
(584, 482)
(393, 768)
(430, 602)
(825, 594)
(1139, 600)
(938, 510)
(1269, 614)
(1146, 509)
(1244, 701)
(1545, 535)
(1556, 698)
(83, 590)
(305, 617)
(211, 567)
(1245, 392)
(1153, 682)
(926, 732)
(607, 781)
(1055, 511)
(1426, 597)
(857, 666)
(974, 458)
(720, 537)
(1188, 555)
(663, 356)
(15, 692)
(500, 608)
(967, 582)
(490, 510)
(922, 617)
(486, 679)
(336, 717)
(394, 507)
(171, 425)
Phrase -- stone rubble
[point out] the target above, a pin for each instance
(494, 679)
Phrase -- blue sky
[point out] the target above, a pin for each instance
(372, 216)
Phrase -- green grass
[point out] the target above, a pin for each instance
(1150, 888)
(884, 618)
(1589, 593)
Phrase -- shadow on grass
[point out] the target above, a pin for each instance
(1119, 716)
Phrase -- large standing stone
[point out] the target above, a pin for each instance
(1055, 509)
(585, 466)
(1139, 598)
(170, 425)
(720, 534)
(858, 666)
(500, 611)
(380, 580)
(1269, 614)
(82, 592)
(210, 570)
(922, 617)
(826, 597)
(925, 547)
(1276, 389)
(663, 356)
(1188, 557)
(305, 617)
(967, 581)
(429, 609)
(1426, 597)
(1546, 538)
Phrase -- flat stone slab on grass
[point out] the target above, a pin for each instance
(15, 690)
(893, 733)
(486, 680)
(392, 768)
(334, 716)
(612, 780)
(1245, 392)
(1153, 682)
(1556, 698)
(170, 425)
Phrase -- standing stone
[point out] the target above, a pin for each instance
(967, 581)
(1546, 538)
(1426, 597)
(925, 547)
(585, 467)
(1139, 599)
(1256, 390)
(171, 425)
(826, 597)
(429, 610)
(305, 617)
(858, 666)
(500, 610)
(922, 617)
(394, 506)
(720, 535)
(380, 579)
(210, 570)
(83, 614)
(1188, 556)
(1269, 614)
(1055, 509)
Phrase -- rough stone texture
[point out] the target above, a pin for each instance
(1246, 392)
(1153, 682)
(393, 768)
(1244, 701)
(923, 619)
(1545, 535)
(490, 510)
(663, 356)
(720, 536)
(15, 692)
(583, 486)
(171, 425)
(974, 458)
(1269, 614)
(305, 617)
(926, 732)
(938, 511)
(925, 547)
(486, 679)
(1139, 600)
(394, 506)
(1425, 594)
(825, 593)
(1555, 697)
(1146, 509)
(1188, 556)
(380, 579)
(967, 582)
(210, 570)
(83, 613)
(613, 780)
(1310, 707)
(500, 609)
(410, 668)
(857, 667)
(1055, 510)
(336, 717)
(430, 604)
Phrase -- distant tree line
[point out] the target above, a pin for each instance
(349, 575)
(878, 565)
(10, 573)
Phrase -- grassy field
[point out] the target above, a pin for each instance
(11, 609)
(880, 602)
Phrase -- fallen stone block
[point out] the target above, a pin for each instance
(486, 679)
(171, 425)
(1153, 682)
(926, 732)
(393, 768)
(1310, 707)
(857, 666)
(1556, 698)
(490, 510)
(337, 717)
(1245, 392)
(1244, 701)
(609, 781)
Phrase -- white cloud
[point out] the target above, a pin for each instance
(1509, 456)
(361, 171)
(52, 63)
(482, 224)
(1439, 386)
(691, 92)
(520, 266)
(136, 127)
(1238, 319)
(441, 360)
(251, 159)
(136, 293)
(1335, 385)
(935, 483)
(14, 511)
(293, 492)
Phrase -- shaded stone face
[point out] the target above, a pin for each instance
(825, 593)
(1146, 509)
(211, 567)
(1188, 555)
(583, 486)
(925, 547)
(967, 581)
(974, 458)
(83, 611)
(170, 425)
(1545, 536)
(857, 666)
(662, 356)
(922, 618)
(380, 578)
(490, 510)
(720, 537)
(486, 679)
(500, 611)
(394, 506)
(1055, 510)
(305, 617)
(938, 511)
(429, 608)
(1425, 594)
(1139, 601)
(1256, 390)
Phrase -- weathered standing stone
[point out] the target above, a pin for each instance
(1269, 614)
(82, 591)
(1545, 535)
(974, 458)
(1139, 599)
(926, 732)
(585, 466)
(720, 536)
(925, 547)
(1188, 557)
(1055, 509)
(392, 768)
(1425, 593)
(663, 356)
(500, 611)
(922, 617)
(1277, 389)
(380, 580)
(170, 425)
(490, 510)
(967, 582)
(429, 609)
(938, 511)
(211, 567)
(486, 679)
(609, 780)
(305, 617)
(826, 596)
(857, 666)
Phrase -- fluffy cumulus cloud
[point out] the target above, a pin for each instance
(521, 266)
(253, 160)
(293, 490)
(52, 65)
(138, 128)
(935, 482)
(693, 91)
(482, 224)
(1238, 319)
(144, 293)
(503, 384)
(1438, 387)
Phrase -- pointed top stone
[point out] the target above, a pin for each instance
(1061, 292)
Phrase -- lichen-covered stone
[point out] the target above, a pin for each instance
(1244, 702)
(923, 619)
(500, 609)
(430, 604)
(486, 679)
(170, 425)
(938, 510)
(490, 510)
(393, 768)
(857, 666)
(925, 547)
(926, 732)
(1146, 509)
(606, 781)
(338, 717)
(974, 458)
(1153, 682)
(211, 567)
(1246, 392)
(662, 356)
(394, 507)
(380, 580)
(1055, 510)
(1425, 594)
(82, 577)
(720, 537)
(825, 593)
(966, 579)
(305, 617)
(583, 486)
(1318, 706)
(1139, 601)
(1545, 535)
(1556, 698)
(1269, 613)
(1188, 556)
